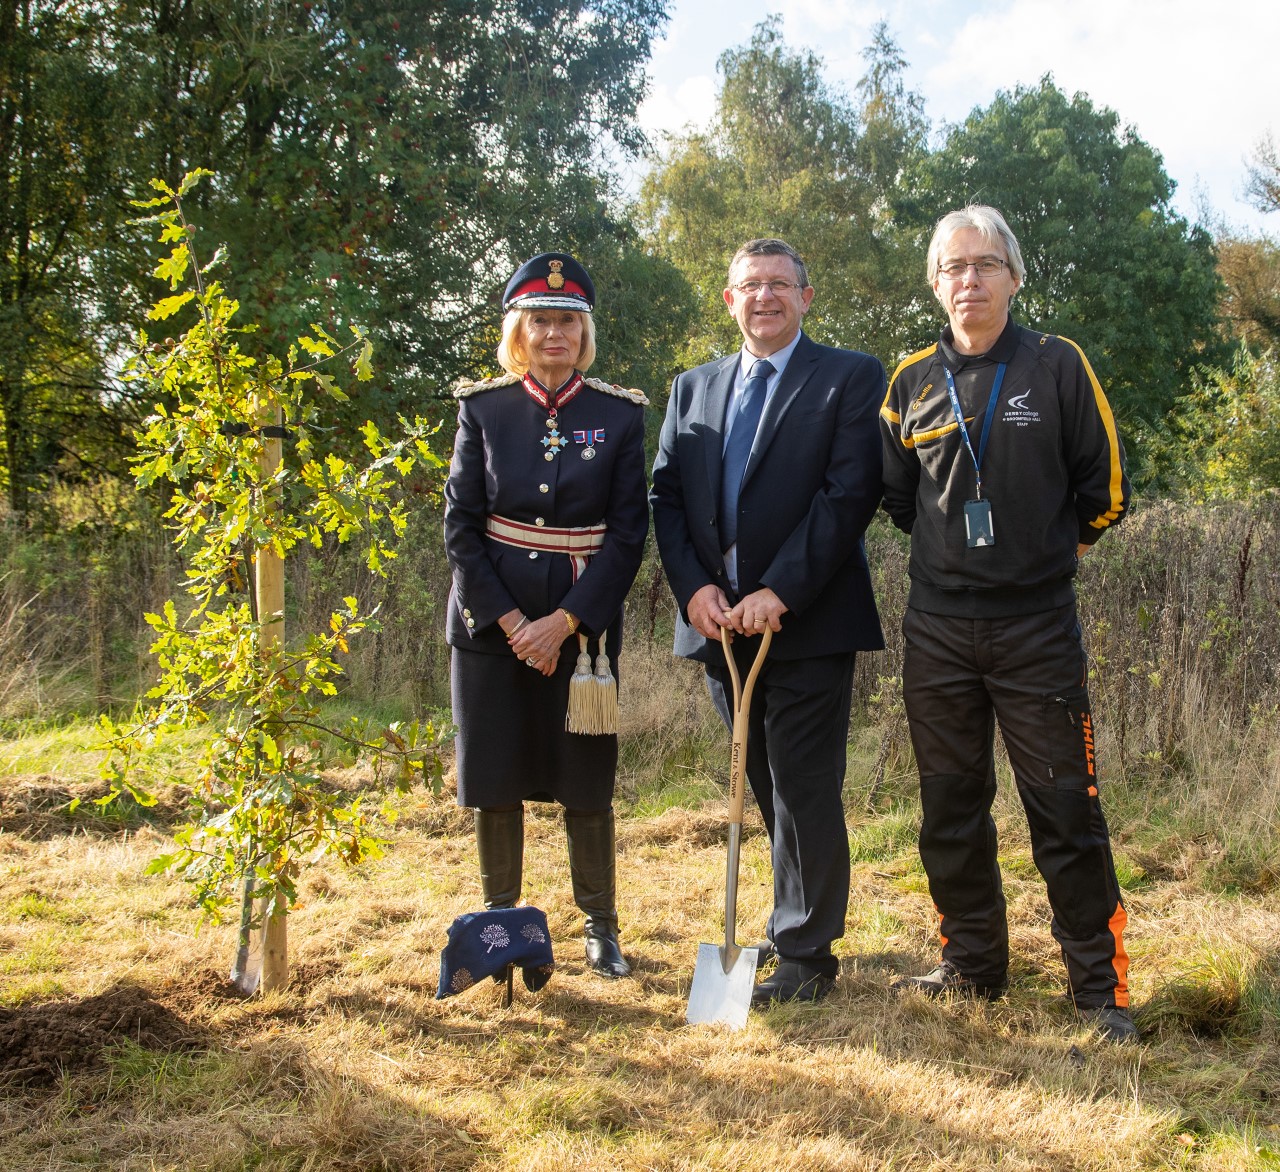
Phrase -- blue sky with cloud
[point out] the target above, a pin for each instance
(1199, 82)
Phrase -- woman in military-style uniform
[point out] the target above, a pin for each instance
(545, 522)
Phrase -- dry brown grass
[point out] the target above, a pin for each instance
(106, 973)
(357, 1066)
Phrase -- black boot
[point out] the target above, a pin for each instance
(592, 867)
(500, 845)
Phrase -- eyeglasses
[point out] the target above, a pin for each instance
(777, 288)
(988, 266)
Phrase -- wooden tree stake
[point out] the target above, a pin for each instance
(270, 594)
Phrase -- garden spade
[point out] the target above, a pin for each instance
(724, 976)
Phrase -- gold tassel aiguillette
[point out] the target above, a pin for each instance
(593, 697)
(606, 692)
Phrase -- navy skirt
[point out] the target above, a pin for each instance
(512, 745)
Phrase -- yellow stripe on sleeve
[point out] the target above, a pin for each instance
(1109, 423)
(887, 413)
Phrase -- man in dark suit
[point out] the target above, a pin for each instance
(768, 472)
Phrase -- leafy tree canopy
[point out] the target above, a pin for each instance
(391, 163)
(1226, 441)
(64, 150)
(1264, 175)
(787, 155)
(384, 164)
(1250, 271)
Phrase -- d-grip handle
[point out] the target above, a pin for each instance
(741, 712)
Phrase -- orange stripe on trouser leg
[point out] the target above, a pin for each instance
(1117, 925)
(941, 934)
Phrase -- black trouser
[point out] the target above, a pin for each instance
(960, 676)
(796, 746)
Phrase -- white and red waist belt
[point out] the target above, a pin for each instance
(580, 542)
(593, 697)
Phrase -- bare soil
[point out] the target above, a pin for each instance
(39, 1043)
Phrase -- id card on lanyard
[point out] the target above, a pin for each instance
(978, 527)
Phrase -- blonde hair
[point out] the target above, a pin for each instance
(513, 355)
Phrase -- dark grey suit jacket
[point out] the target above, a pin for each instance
(811, 487)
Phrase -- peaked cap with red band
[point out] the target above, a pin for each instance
(550, 280)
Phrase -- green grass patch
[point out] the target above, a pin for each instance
(40, 956)
(888, 837)
(1220, 990)
(874, 925)
(34, 906)
(37, 987)
(1131, 875)
(1018, 865)
(74, 752)
(174, 1078)
(678, 787)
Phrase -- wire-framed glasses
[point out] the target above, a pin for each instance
(777, 288)
(988, 266)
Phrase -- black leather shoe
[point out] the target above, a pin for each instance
(765, 953)
(1112, 1022)
(946, 978)
(792, 981)
(592, 867)
(604, 956)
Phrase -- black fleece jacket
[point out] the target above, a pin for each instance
(1053, 471)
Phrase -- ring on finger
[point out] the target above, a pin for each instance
(531, 661)
(759, 622)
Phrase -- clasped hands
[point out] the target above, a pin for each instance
(536, 641)
(709, 611)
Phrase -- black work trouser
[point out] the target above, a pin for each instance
(796, 750)
(960, 676)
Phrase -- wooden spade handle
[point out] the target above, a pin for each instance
(741, 712)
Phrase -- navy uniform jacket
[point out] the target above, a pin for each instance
(499, 466)
(811, 486)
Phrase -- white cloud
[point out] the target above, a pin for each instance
(1196, 81)
(691, 103)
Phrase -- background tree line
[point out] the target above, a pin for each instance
(381, 163)
(387, 164)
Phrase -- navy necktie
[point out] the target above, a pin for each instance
(743, 434)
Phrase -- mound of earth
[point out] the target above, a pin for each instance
(40, 807)
(41, 1041)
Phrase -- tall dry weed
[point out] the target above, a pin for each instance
(71, 604)
(1179, 607)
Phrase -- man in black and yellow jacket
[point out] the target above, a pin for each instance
(1002, 461)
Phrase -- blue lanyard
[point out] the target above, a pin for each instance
(986, 424)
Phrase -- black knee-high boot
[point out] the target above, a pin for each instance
(500, 845)
(592, 865)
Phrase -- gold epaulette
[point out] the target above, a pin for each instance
(614, 389)
(465, 387)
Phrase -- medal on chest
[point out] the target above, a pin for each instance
(553, 441)
(589, 436)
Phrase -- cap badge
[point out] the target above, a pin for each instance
(555, 278)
